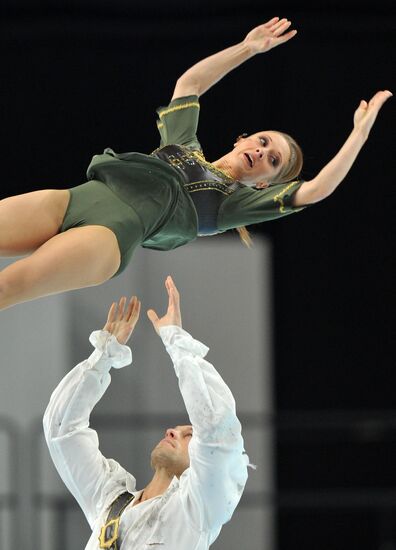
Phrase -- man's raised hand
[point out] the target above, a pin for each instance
(121, 320)
(173, 315)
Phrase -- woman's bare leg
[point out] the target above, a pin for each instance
(29, 220)
(77, 258)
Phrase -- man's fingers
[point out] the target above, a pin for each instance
(170, 287)
(121, 306)
(171, 295)
(174, 298)
(110, 315)
(136, 310)
(131, 309)
(173, 287)
(152, 316)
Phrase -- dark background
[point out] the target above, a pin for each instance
(78, 76)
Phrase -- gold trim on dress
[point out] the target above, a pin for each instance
(178, 108)
(210, 189)
(211, 166)
(198, 155)
(279, 196)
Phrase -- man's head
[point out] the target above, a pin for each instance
(171, 453)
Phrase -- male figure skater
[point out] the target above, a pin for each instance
(200, 470)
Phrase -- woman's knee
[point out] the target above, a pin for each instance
(28, 221)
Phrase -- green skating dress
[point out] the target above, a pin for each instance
(168, 198)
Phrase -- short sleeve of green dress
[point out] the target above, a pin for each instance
(248, 205)
(178, 122)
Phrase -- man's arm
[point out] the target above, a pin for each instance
(204, 74)
(214, 483)
(212, 486)
(330, 177)
(92, 479)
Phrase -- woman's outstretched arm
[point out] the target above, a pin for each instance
(201, 76)
(335, 171)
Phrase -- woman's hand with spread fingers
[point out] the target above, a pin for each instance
(269, 35)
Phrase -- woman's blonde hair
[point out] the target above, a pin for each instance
(288, 172)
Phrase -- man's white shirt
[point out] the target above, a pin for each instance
(191, 512)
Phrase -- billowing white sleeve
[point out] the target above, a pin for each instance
(213, 484)
(74, 447)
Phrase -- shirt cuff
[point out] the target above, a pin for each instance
(109, 350)
(175, 337)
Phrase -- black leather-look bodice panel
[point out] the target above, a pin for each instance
(207, 185)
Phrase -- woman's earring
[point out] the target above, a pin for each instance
(262, 185)
(244, 135)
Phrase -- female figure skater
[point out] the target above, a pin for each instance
(84, 236)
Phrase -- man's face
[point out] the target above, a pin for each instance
(171, 453)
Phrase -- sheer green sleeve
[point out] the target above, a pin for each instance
(247, 205)
(178, 122)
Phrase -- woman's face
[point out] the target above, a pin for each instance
(257, 159)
